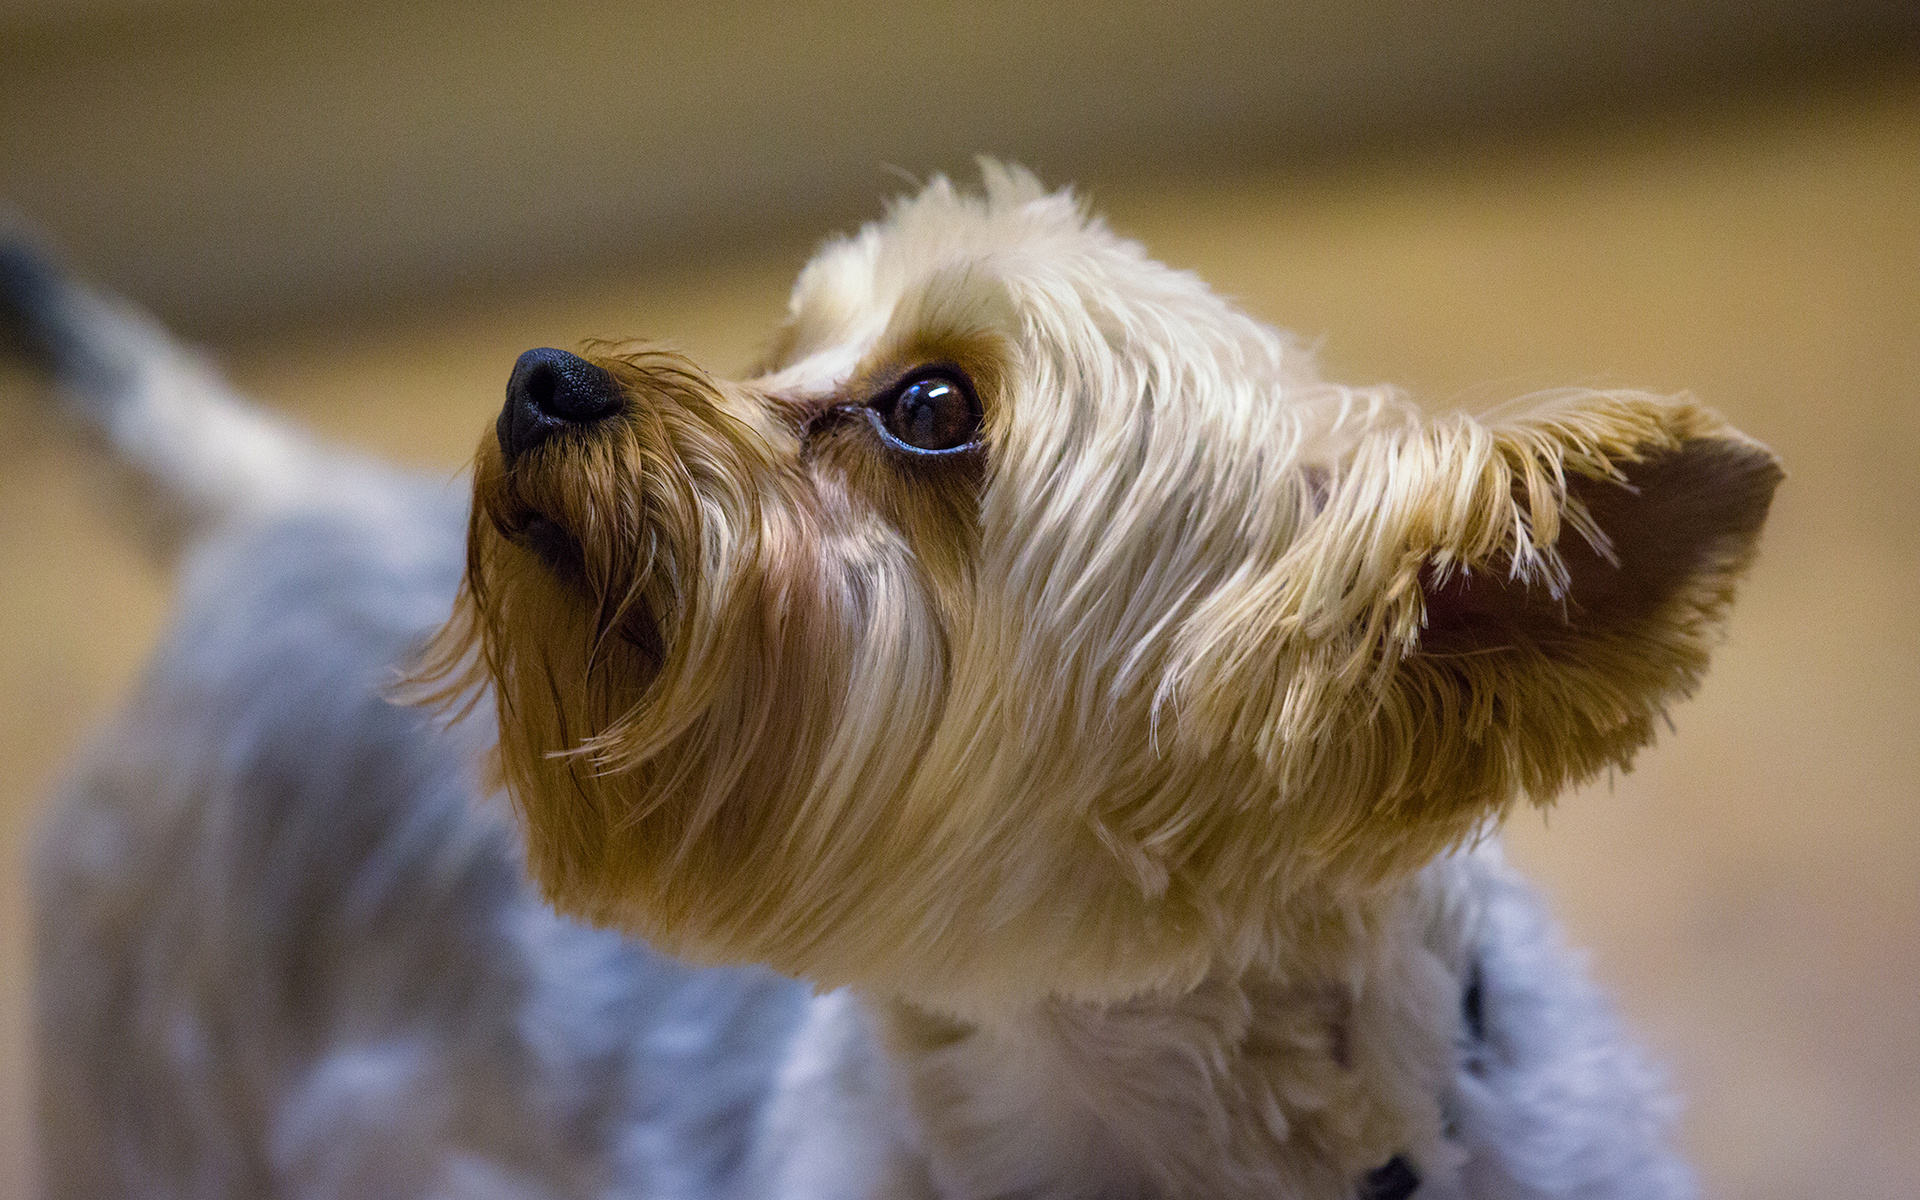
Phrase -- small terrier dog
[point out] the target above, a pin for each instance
(1032, 738)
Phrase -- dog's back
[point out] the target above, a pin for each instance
(285, 944)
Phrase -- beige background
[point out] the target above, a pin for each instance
(1751, 891)
(235, 162)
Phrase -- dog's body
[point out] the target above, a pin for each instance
(1108, 914)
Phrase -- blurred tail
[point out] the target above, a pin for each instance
(198, 454)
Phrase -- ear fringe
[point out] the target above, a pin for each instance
(1318, 664)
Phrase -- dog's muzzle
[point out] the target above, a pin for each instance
(551, 391)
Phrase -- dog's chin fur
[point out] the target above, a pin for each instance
(1192, 657)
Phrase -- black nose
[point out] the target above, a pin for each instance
(551, 390)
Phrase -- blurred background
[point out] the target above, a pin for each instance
(366, 209)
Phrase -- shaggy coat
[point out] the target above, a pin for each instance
(1095, 807)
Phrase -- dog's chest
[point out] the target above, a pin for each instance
(1231, 1090)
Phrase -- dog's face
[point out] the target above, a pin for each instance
(1035, 622)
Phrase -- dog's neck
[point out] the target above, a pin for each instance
(1290, 1081)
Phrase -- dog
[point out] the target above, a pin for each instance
(1032, 737)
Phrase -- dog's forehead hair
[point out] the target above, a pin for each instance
(945, 261)
(847, 294)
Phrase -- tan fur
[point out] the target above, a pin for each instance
(1175, 680)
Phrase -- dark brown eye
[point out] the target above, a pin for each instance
(932, 412)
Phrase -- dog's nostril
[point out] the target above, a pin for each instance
(539, 386)
(548, 391)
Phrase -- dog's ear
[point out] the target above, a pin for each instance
(1480, 610)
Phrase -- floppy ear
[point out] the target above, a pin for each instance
(1479, 611)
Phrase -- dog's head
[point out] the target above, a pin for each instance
(1036, 622)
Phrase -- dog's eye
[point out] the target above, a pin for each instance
(932, 412)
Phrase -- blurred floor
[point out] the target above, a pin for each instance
(1751, 891)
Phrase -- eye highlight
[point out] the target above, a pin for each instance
(933, 411)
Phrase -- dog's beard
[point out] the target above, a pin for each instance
(557, 527)
(645, 599)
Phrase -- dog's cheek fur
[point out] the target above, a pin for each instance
(770, 829)
(1050, 843)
